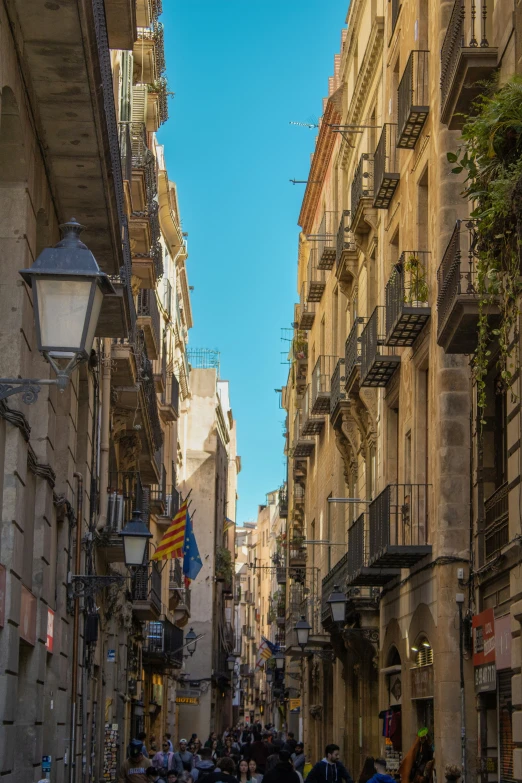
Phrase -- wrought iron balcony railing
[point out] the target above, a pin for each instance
(299, 494)
(146, 585)
(176, 579)
(316, 277)
(346, 249)
(301, 445)
(325, 240)
(337, 388)
(149, 394)
(378, 362)
(321, 380)
(399, 526)
(457, 292)
(496, 533)
(158, 493)
(352, 352)
(385, 167)
(407, 307)
(170, 396)
(162, 643)
(125, 494)
(312, 423)
(336, 576)
(413, 99)
(306, 309)
(126, 151)
(143, 159)
(155, 33)
(467, 58)
(283, 501)
(148, 308)
(362, 187)
(297, 552)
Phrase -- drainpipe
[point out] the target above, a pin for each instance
(76, 626)
(105, 431)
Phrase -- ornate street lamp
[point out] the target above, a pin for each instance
(191, 642)
(279, 660)
(135, 537)
(68, 290)
(231, 662)
(269, 675)
(337, 602)
(302, 629)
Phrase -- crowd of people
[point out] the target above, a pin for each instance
(243, 755)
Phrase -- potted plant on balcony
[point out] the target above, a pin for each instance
(224, 571)
(417, 292)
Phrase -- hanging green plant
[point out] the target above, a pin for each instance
(417, 285)
(491, 156)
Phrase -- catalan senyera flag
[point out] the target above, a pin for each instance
(263, 654)
(227, 524)
(172, 543)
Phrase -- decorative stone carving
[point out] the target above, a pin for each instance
(135, 285)
(129, 450)
(120, 417)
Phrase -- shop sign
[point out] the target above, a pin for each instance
(28, 617)
(2, 596)
(111, 656)
(503, 642)
(485, 678)
(187, 700)
(49, 641)
(294, 704)
(194, 692)
(484, 638)
(492, 765)
(422, 682)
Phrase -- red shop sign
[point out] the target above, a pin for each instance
(484, 638)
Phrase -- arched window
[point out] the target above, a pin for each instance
(422, 652)
(12, 153)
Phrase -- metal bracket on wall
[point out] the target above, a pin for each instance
(86, 586)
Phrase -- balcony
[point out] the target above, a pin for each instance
(144, 178)
(312, 424)
(162, 644)
(147, 12)
(352, 353)
(169, 400)
(146, 592)
(316, 277)
(358, 571)
(378, 362)
(176, 583)
(399, 525)
(467, 59)
(158, 494)
(149, 54)
(362, 194)
(385, 167)
(413, 99)
(125, 493)
(149, 321)
(299, 353)
(283, 502)
(457, 293)
(321, 381)
(114, 320)
(407, 308)
(325, 240)
(120, 16)
(147, 253)
(306, 309)
(301, 445)
(299, 495)
(297, 553)
(337, 393)
(496, 531)
(346, 254)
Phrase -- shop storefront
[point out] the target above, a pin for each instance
(493, 674)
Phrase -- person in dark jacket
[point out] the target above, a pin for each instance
(283, 772)
(205, 766)
(259, 751)
(298, 758)
(329, 768)
(290, 743)
(224, 772)
(381, 775)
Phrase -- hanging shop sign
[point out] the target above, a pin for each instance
(193, 700)
(294, 704)
(49, 641)
(484, 651)
(422, 682)
(27, 626)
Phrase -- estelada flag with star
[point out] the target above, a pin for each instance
(173, 542)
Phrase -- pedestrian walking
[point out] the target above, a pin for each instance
(260, 750)
(205, 766)
(298, 758)
(290, 743)
(329, 768)
(168, 737)
(172, 776)
(252, 768)
(164, 758)
(134, 768)
(368, 770)
(212, 737)
(143, 737)
(381, 775)
(225, 772)
(153, 775)
(183, 758)
(283, 771)
(244, 773)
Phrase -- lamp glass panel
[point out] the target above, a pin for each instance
(62, 310)
(134, 547)
(93, 322)
(338, 611)
(302, 636)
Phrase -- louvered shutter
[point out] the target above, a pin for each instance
(139, 103)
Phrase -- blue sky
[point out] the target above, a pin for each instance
(241, 70)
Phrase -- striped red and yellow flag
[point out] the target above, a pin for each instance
(171, 545)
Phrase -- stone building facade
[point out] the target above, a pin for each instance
(392, 486)
(82, 94)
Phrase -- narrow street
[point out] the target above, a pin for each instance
(185, 595)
